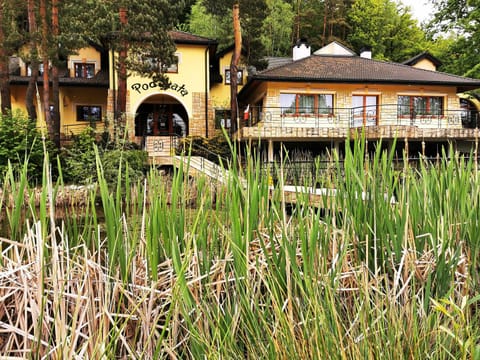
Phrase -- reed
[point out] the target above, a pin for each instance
(182, 267)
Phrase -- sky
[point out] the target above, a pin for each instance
(421, 9)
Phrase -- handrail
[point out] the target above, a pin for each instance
(208, 151)
(373, 115)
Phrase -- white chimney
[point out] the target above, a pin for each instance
(301, 50)
(366, 52)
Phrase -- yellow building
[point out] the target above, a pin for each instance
(317, 101)
(220, 90)
(309, 101)
(83, 86)
(155, 117)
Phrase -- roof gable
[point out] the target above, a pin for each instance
(335, 49)
(423, 56)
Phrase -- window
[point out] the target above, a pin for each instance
(364, 110)
(84, 70)
(222, 118)
(89, 113)
(239, 76)
(307, 104)
(40, 69)
(420, 105)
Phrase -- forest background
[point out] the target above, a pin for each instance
(271, 27)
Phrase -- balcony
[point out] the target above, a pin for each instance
(383, 121)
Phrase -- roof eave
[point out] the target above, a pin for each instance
(24, 80)
(463, 85)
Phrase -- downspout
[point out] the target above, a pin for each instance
(206, 89)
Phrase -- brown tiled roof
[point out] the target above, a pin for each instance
(274, 62)
(356, 69)
(187, 38)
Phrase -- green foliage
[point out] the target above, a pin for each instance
(21, 140)
(79, 159)
(271, 28)
(321, 21)
(457, 56)
(252, 15)
(202, 23)
(277, 28)
(388, 267)
(458, 22)
(392, 34)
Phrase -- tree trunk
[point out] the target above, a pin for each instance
(234, 67)
(32, 83)
(5, 99)
(325, 19)
(46, 72)
(55, 77)
(121, 107)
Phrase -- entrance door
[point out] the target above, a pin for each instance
(365, 110)
(161, 120)
(162, 117)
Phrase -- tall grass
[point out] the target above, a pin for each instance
(182, 267)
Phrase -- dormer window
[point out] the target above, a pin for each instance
(84, 70)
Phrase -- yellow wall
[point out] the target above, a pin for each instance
(388, 94)
(18, 98)
(71, 97)
(189, 87)
(425, 65)
(188, 81)
(87, 55)
(17, 94)
(220, 93)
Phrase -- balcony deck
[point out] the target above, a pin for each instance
(275, 124)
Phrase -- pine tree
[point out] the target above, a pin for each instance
(4, 56)
(252, 15)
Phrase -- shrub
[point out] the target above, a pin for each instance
(20, 140)
(79, 160)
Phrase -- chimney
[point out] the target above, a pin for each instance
(366, 52)
(301, 50)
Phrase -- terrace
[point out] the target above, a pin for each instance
(382, 121)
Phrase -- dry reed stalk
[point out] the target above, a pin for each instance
(66, 306)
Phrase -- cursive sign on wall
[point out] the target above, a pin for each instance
(138, 87)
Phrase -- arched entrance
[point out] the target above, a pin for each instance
(160, 121)
(161, 115)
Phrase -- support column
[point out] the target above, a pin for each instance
(390, 146)
(336, 147)
(270, 151)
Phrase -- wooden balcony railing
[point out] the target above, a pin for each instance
(346, 118)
